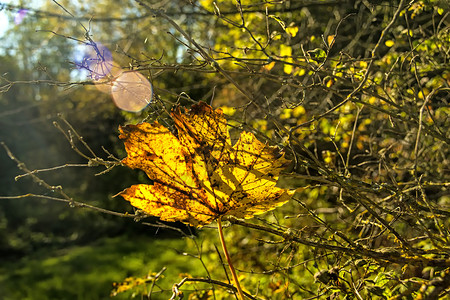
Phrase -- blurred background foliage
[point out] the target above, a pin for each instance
(355, 92)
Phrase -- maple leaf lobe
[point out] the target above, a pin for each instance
(198, 174)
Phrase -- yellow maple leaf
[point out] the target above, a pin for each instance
(128, 284)
(198, 175)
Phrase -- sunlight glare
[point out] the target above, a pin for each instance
(131, 91)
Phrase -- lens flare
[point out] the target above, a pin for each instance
(97, 60)
(18, 18)
(131, 91)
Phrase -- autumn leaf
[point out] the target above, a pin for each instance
(128, 284)
(198, 175)
(136, 284)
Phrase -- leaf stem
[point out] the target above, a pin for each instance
(230, 264)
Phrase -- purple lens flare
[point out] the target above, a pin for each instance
(97, 60)
(21, 14)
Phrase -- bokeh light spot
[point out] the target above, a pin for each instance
(131, 91)
(97, 60)
(18, 18)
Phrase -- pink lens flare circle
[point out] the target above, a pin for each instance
(131, 91)
(18, 18)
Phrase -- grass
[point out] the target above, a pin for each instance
(88, 272)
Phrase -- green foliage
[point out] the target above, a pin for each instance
(88, 272)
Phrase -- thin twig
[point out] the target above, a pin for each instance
(387, 254)
(227, 256)
(176, 287)
(71, 202)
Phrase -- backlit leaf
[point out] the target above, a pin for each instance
(198, 175)
(292, 31)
